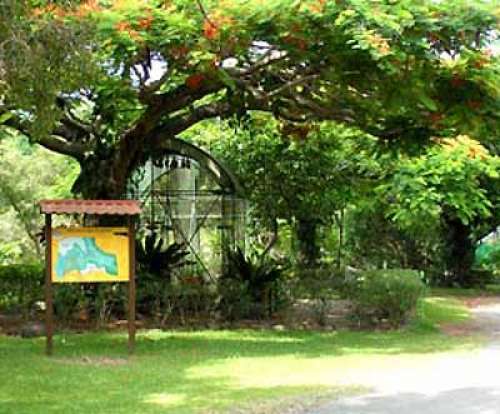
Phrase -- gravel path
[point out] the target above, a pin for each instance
(466, 383)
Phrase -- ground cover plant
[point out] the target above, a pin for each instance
(209, 371)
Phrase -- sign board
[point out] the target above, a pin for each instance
(90, 254)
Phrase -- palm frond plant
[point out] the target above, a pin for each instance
(257, 278)
(157, 260)
(157, 264)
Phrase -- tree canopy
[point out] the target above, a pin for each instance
(27, 175)
(400, 70)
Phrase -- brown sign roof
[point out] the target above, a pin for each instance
(98, 207)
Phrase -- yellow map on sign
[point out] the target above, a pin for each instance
(90, 254)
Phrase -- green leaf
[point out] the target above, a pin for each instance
(5, 117)
(428, 102)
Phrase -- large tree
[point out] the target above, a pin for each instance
(303, 177)
(401, 70)
(40, 59)
(452, 188)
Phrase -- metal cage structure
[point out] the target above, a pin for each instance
(191, 198)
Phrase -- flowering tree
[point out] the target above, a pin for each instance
(400, 70)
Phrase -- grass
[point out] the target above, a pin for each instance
(441, 308)
(488, 290)
(210, 371)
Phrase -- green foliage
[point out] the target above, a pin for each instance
(320, 287)
(289, 177)
(415, 67)
(21, 285)
(257, 272)
(87, 304)
(157, 260)
(28, 175)
(374, 240)
(385, 294)
(250, 284)
(446, 180)
(40, 59)
(158, 296)
(322, 283)
(298, 176)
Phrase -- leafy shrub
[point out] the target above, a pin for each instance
(21, 285)
(385, 294)
(321, 282)
(250, 285)
(157, 263)
(235, 300)
(321, 286)
(156, 260)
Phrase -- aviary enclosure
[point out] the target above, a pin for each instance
(189, 197)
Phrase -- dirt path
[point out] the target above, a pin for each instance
(467, 383)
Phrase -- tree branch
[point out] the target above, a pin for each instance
(204, 12)
(182, 122)
(61, 146)
(58, 142)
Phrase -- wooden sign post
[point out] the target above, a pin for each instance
(131, 286)
(89, 254)
(49, 306)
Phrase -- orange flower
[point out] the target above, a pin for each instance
(38, 11)
(483, 60)
(178, 52)
(123, 27)
(457, 82)
(134, 34)
(473, 104)
(145, 23)
(195, 81)
(317, 7)
(213, 24)
(210, 30)
(298, 42)
(436, 118)
(126, 27)
(50, 9)
(87, 7)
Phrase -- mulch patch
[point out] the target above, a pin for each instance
(93, 361)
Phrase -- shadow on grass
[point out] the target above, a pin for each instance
(190, 372)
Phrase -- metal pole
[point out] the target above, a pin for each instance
(49, 310)
(131, 285)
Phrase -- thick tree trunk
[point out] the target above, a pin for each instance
(99, 179)
(308, 250)
(460, 254)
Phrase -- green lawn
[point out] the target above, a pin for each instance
(207, 371)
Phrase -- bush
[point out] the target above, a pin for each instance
(320, 286)
(385, 295)
(21, 285)
(250, 286)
